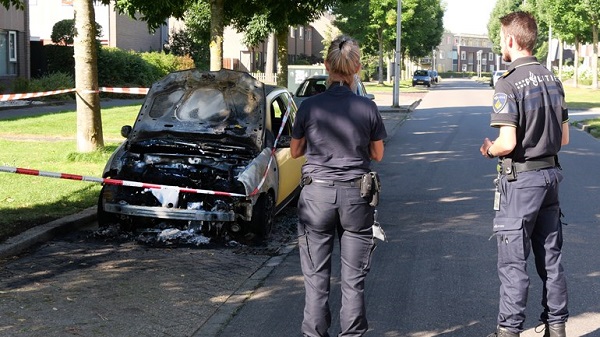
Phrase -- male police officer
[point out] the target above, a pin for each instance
(530, 112)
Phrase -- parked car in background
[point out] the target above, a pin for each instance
(495, 76)
(211, 136)
(421, 77)
(317, 84)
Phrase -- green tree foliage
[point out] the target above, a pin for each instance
(373, 23)
(18, 4)
(63, 32)
(194, 39)
(259, 18)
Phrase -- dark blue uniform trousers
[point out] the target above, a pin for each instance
(529, 219)
(323, 210)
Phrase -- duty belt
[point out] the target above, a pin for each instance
(350, 183)
(529, 165)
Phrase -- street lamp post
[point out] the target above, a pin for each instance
(397, 61)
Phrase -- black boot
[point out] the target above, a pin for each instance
(555, 330)
(503, 332)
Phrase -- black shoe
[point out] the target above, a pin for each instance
(503, 332)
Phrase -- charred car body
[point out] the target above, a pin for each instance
(208, 131)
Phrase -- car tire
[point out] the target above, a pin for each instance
(428, 85)
(263, 214)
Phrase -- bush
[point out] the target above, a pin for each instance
(161, 63)
(60, 59)
(50, 82)
(120, 68)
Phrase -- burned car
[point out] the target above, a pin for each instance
(206, 152)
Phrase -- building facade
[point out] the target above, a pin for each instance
(466, 53)
(304, 42)
(14, 45)
(119, 31)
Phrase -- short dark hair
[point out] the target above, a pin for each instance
(522, 26)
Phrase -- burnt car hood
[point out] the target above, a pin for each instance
(220, 106)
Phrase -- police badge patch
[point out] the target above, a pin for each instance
(500, 100)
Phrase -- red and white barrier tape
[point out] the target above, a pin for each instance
(117, 182)
(144, 185)
(133, 91)
(12, 97)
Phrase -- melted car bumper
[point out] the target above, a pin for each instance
(169, 213)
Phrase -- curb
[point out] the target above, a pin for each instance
(38, 234)
(217, 321)
(401, 108)
(582, 127)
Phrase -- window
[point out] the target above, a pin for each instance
(308, 34)
(301, 33)
(448, 39)
(463, 55)
(441, 54)
(292, 35)
(12, 46)
(8, 53)
(491, 56)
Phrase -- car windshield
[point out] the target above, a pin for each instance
(312, 87)
(421, 73)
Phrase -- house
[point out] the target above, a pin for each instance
(304, 42)
(466, 53)
(14, 45)
(119, 31)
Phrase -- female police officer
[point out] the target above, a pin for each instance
(339, 133)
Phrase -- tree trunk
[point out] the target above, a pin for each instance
(560, 58)
(216, 34)
(576, 64)
(270, 66)
(89, 122)
(282, 56)
(595, 57)
(380, 52)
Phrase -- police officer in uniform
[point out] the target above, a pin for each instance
(530, 112)
(339, 133)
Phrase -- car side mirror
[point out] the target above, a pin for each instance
(370, 96)
(126, 130)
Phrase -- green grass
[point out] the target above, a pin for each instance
(47, 143)
(405, 86)
(582, 98)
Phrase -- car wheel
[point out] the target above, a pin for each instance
(428, 85)
(263, 214)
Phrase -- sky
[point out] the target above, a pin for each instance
(467, 16)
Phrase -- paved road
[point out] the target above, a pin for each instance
(435, 277)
